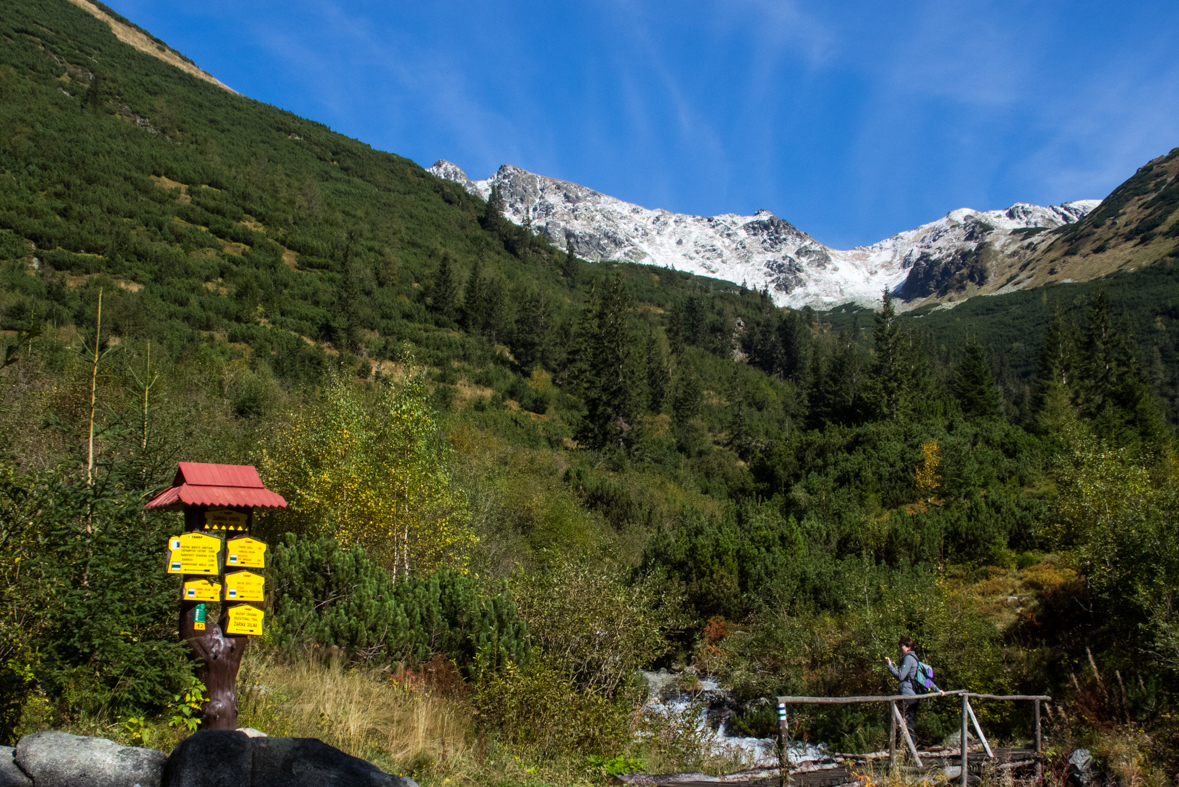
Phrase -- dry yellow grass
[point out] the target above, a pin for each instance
(386, 718)
(143, 43)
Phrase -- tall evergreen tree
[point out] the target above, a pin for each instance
(534, 329)
(493, 215)
(1051, 406)
(475, 300)
(611, 368)
(890, 381)
(444, 291)
(571, 266)
(974, 385)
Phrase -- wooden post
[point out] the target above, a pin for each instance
(892, 735)
(905, 731)
(784, 744)
(219, 656)
(1039, 749)
(978, 729)
(965, 745)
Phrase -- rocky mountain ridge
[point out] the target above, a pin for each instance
(765, 251)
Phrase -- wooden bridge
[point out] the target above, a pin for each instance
(838, 770)
(963, 761)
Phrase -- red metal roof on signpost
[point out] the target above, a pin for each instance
(232, 486)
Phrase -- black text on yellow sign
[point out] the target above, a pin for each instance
(243, 586)
(244, 619)
(202, 590)
(194, 553)
(245, 552)
(224, 519)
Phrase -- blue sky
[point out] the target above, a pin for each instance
(851, 120)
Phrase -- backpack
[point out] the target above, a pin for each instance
(923, 682)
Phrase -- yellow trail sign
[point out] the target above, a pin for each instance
(245, 552)
(193, 553)
(202, 590)
(243, 586)
(244, 619)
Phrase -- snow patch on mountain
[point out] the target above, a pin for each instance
(760, 251)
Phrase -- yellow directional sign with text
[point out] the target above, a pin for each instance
(244, 619)
(202, 590)
(224, 519)
(243, 586)
(245, 552)
(193, 553)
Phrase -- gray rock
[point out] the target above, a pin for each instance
(58, 759)
(211, 758)
(10, 775)
(1081, 770)
(251, 732)
(307, 762)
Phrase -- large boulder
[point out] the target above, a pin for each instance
(211, 758)
(307, 762)
(214, 758)
(10, 775)
(58, 759)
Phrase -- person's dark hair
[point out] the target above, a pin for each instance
(906, 642)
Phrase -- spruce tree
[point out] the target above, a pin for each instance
(493, 216)
(890, 381)
(611, 368)
(475, 300)
(1051, 406)
(974, 386)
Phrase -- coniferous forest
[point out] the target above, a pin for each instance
(517, 478)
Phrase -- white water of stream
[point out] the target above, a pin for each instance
(709, 708)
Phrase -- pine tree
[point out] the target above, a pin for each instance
(493, 216)
(475, 300)
(1051, 406)
(444, 292)
(889, 372)
(571, 266)
(974, 386)
(611, 368)
(534, 328)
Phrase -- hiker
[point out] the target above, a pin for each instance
(907, 677)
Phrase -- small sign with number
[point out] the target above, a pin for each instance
(198, 617)
(202, 590)
(243, 586)
(193, 553)
(244, 619)
(245, 552)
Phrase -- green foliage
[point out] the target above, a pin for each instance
(592, 624)
(186, 709)
(331, 597)
(372, 471)
(541, 705)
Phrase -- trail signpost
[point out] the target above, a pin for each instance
(218, 502)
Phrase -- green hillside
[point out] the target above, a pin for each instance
(517, 477)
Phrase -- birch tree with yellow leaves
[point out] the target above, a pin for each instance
(373, 470)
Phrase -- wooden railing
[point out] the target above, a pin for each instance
(896, 721)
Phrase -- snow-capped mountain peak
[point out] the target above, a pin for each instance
(762, 250)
